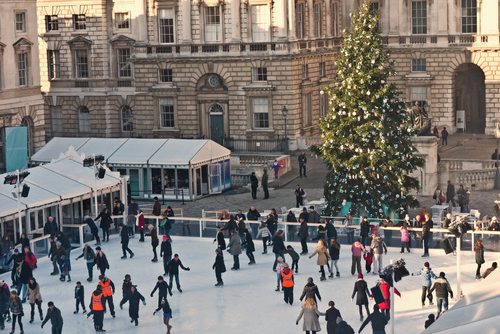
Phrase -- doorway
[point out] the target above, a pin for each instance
(217, 123)
(470, 96)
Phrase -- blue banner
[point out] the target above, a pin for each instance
(15, 147)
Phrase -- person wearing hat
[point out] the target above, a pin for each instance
(101, 260)
(219, 267)
(443, 288)
(154, 241)
(133, 301)
(97, 308)
(124, 240)
(385, 305)
(55, 317)
(166, 252)
(361, 293)
(310, 290)
(17, 258)
(427, 277)
(377, 319)
(108, 289)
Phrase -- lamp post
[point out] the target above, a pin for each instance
(95, 162)
(17, 179)
(497, 174)
(284, 111)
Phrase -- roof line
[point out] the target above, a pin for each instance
(119, 147)
(202, 146)
(60, 174)
(14, 200)
(79, 147)
(159, 148)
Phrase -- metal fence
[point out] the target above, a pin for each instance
(255, 145)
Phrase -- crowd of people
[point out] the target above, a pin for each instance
(234, 235)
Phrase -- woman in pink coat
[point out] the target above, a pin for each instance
(405, 239)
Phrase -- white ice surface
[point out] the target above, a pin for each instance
(247, 303)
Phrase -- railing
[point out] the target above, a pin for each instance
(255, 145)
(171, 194)
(475, 174)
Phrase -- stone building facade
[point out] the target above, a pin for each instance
(21, 102)
(224, 69)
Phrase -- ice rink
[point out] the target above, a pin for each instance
(247, 303)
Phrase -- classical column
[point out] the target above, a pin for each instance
(436, 9)
(280, 15)
(235, 21)
(310, 30)
(291, 20)
(186, 21)
(328, 10)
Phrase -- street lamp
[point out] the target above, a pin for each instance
(17, 179)
(284, 111)
(95, 162)
(497, 174)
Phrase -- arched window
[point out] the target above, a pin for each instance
(27, 121)
(83, 119)
(127, 118)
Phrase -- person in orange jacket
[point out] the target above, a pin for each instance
(108, 289)
(97, 308)
(287, 283)
(385, 306)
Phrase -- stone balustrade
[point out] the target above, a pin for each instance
(474, 174)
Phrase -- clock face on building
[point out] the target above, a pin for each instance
(213, 81)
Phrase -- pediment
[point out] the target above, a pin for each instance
(22, 42)
(80, 40)
(122, 39)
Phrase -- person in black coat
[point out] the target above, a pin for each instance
(221, 242)
(173, 271)
(124, 239)
(303, 235)
(4, 302)
(331, 316)
(163, 288)
(219, 267)
(17, 258)
(154, 241)
(79, 297)
(295, 258)
(106, 222)
(93, 229)
(55, 317)
(101, 261)
(377, 319)
(279, 248)
(65, 243)
(126, 289)
(231, 225)
(166, 252)
(25, 273)
(361, 292)
(310, 291)
(265, 184)
(133, 302)
(364, 230)
(24, 241)
(51, 227)
(254, 184)
(249, 246)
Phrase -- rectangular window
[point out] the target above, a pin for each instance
(259, 74)
(51, 23)
(317, 19)
(22, 68)
(212, 24)
(335, 27)
(418, 65)
(322, 69)
(167, 113)
(260, 108)
(79, 22)
(299, 17)
(323, 103)
(419, 17)
(305, 72)
(166, 26)
(56, 119)
(374, 6)
(122, 21)
(81, 64)
(20, 22)
(469, 16)
(260, 23)
(419, 94)
(306, 105)
(53, 63)
(124, 65)
(166, 75)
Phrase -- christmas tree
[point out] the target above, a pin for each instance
(367, 131)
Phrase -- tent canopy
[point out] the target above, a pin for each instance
(135, 151)
(54, 182)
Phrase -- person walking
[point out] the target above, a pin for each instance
(249, 247)
(311, 317)
(101, 260)
(35, 298)
(364, 230)
(93, 229)
(140, 223)
(97, 309)
(444, 136)
(108, 289)
(357, 250)
(154, 241)
(287, 284)
(427, 225)
(405, 238)
(55, 317)
(427, 277)
(89, 256)
(134, 300)
(163, 288)
(219, 267)
(265, 184)
(302, 159)
(16, 308)
(234, 248)
(377, 319)
(479, 256)
(450, 193)
(79, 298)
(443, 288)
(124, 240)
(332, 317)
(173, 271)
(379, 249)
(361, 293)
(299, 196)
(279, 248)
(166, 252)
(276, 169)
(310, 290)
(254, 184)
(105, 224)
(322, 260)
(334, 251)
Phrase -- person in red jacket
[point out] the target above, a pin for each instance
(29, 257)
(385, 306)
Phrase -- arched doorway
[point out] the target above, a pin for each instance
(27, 121)
(470, 96)
(217, 123)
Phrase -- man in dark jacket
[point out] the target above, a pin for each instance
(331, 316)
(426, 233)
(377, 319)
(331, 231)
(254, 184)
(443, 288)
(166, 253)
(124, 239)
(313, 216)
(65, 243)
(163, 288)
(310, 291)
(173, 271)
(450, 193)
(4, 303)
(279, 248)
(93, 229)
(17, 258)
(364, 230)
(56, 320)
(51, 256)
(303, 235)
(265, 184)
(156, 207)
(51, 227)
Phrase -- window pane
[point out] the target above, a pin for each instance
(212, 24)
(260, 23)
(259, 74)
(166, 25)
(317, 19)
(166, 75)
(79, 22)
(418, 93)
(469, 16)
(81, 64)
(57, 119)
(167, 119)
(84, 119)
(127, 119)
(418, 65)
(21, 22)
(124, 66)
(299, 14)
(22, 66)
(54, 68)
(122, 20)
(260, 107)
(419, 17)
(306, 105)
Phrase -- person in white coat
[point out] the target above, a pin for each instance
(311, 316)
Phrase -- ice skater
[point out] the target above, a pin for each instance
(265, 234)
(249, 246)
(279, 270)
(219, 238)
(108, 289)
(295, 258)
(16, 308)
(334, 251)
(163, 288)
(35, 298)
(287, 283)
(126, 289)
(90, 258)
(55, 317)
(124, 240)
(167, 314)
(219, 267)
(154, 241)
(134, 300)
(311, 316)
(234, 248)
(166, 252)
(322, 253)
(97, 309)
(361, 293)
(101, 260)
(79, 298)
(173, 271)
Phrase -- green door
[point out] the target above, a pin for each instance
(134, 182)
(217, 123)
